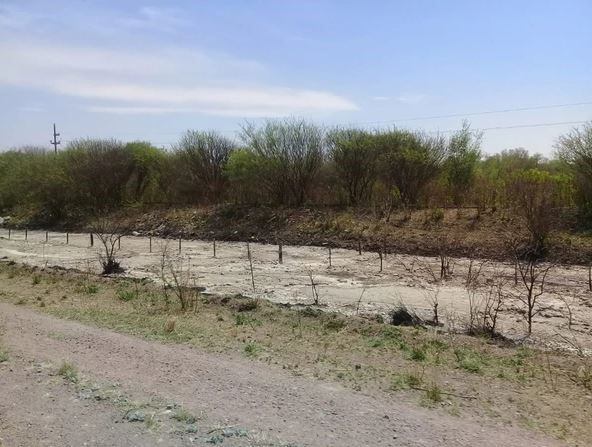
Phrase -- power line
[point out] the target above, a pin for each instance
(485, 112)
(516, 126)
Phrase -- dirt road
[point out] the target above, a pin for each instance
(264, 405)
(410, 279)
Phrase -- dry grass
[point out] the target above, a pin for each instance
(458, 374)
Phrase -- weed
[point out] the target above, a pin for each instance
(404, 381)
(69, 372)
(247, 305)
(434, 393)
(335, 324)
(126, 294)
(252, 349)
(183, 415)
(418, 354)
(91, 289)
(469, 360)
(3, 356)
(243, 320)
(36, 280)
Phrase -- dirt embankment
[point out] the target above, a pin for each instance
(428, 232)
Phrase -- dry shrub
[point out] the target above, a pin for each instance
(169, 326)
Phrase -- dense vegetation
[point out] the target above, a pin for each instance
(294, 163)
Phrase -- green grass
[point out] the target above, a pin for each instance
(183, 415)
(405, 381)
(126, 294)
(434, 393)
(91, 289)
(4, 356)
(252, 349)
(69, 372)
(470, 360)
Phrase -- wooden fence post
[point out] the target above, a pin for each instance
(280, 253)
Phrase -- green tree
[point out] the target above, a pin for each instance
(409, 161)
(463, 155)
(291, 153)
(575, 150)
(355, 158)
(205, 155)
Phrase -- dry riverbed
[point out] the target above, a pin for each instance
(353, 283)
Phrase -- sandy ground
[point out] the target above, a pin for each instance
(407, 279)
(271, 406)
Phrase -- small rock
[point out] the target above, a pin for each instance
(215, 439)
(135, 416)
(191, 428)
(234, 432)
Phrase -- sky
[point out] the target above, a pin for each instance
(139, 70)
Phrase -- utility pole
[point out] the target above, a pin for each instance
(55, 141)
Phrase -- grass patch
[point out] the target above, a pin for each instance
(434, 393)
(90, 289)
(252, 349)
(184, 416)
(4, 357)
(126, 294)
(69, 372)
(405, 381)
(470, 360)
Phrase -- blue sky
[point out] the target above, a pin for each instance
(140, 70)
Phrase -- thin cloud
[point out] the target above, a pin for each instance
(161, 81)
(11, 17)
(411, 99)
(150, 17)
(31, 109)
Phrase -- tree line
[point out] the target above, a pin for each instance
(293, 163)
